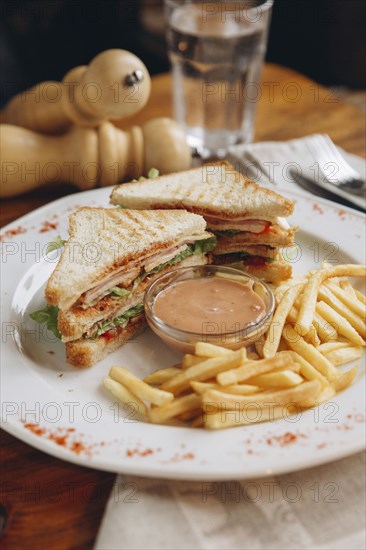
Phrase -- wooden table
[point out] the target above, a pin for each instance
(291, 106)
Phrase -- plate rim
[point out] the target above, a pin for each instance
(155, 472)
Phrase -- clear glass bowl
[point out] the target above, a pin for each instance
(183, 340)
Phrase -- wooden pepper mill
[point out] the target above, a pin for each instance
(89, 157)
(116, 84)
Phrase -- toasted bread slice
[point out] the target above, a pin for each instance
(104, 239)
(270, 272)
(273, 272)
(214, 190)
(84, 353)
(76, 321)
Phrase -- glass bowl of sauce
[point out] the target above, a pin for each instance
(215, 304)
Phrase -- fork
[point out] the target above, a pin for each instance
(327, 154)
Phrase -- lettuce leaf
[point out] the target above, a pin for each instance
(47, 315)
(132, 312)
(120, 292)
(55, 244)
(120, 321)
(153, 173)
(205, 245)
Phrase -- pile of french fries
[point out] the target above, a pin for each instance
(318, 325)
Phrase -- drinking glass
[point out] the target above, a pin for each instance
(216, 51)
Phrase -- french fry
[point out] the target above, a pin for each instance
(346, 285)
(292, 315)
(326, 331)
(253, 368)
(307, 370)
(345, 379)
(350, 301)
(279, 397)
(311, 354)
(189, 415)
(240, 389)
(124, 395)
(312, 336)
(201, 387)
(140, 388)
(360, 296)
(204, 371)
(331, 299)
(274, 332)
(335, 280)
(343, 356)
(259, 345)
(326, 393)
(204, 349)
(343, 326)
(229, 419)
(189, 360)
(279, 292)
(308, 304)
(162, 375)
(331, 346)
(310, 294)
(279, 379)
(178, 406)
(237, 389)
(293, 367)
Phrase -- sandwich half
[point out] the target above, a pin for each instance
(249, 221)
(110, 258)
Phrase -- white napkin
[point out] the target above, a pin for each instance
(322, 508)
(270, 164)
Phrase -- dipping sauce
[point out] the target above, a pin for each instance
(213, 305)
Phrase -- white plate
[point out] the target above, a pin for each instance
(67, 413)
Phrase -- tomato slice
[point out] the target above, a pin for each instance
(110, 334)
(267, 229)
